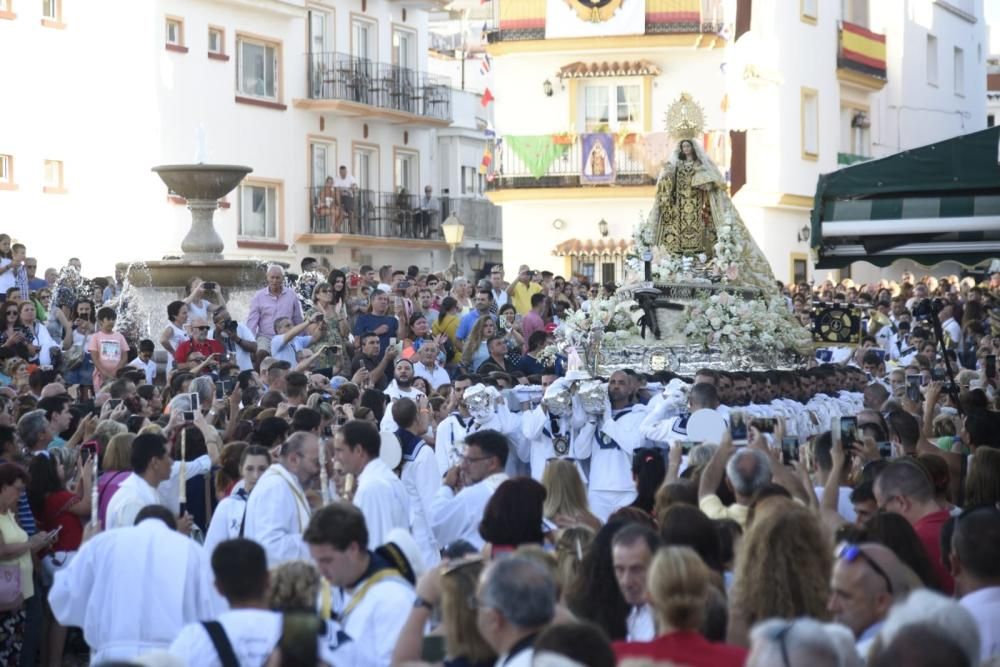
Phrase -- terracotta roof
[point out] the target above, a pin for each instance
(582, 70)
(591, 247)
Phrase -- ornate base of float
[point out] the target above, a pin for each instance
(672, 350)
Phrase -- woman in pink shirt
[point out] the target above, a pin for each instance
(116, 467)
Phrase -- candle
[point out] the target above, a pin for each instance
(94, 497)
(183, 494)
(324, 476)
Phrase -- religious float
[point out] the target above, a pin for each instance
(698, 291)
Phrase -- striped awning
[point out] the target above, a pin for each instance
(931, 204)
(582, 70)
(592, 248)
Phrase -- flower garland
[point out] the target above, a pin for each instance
(612, 317)
(734, 324)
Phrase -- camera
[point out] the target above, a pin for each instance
(209, 287)
(232, 325)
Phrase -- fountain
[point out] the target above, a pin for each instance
(203, 185)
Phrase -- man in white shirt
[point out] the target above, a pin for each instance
(547, 435)
(236, 338)
(975, 565)
(609, 442)
(450, 437)
(515, 601)
(427, 367)
(400, 387)
(421, 477)
(347, 188)
(381, 497)
(151, 463)
(632, 550)
(456, 513)
(277, 510)
(133, 589)
(822, 445)
(374, 590)
(144, 361)
(249, 631)
(951, 328)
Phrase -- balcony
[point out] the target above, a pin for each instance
(360, 87)
(394, 219)
(847, 159)
(861, 57)
(524, 20)
(556, 161)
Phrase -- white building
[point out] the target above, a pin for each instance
(791, 90)
(104, 91)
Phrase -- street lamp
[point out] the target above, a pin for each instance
(476, 257)
(602, 227)
(454, 232)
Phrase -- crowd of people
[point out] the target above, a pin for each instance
(385, 468)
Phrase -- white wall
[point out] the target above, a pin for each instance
(111, 103)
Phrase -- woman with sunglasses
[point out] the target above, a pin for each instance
(332, 336)
(15, 339)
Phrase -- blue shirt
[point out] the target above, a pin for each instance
(467, 322)
(35, 284)
(370, 322)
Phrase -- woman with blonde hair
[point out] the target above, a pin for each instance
(295, 586)
(782, 571)
(566, 502)
(475, 351)
(116, 466)
(571, 544)
(679, 588)
(982, 485)
(451, 589)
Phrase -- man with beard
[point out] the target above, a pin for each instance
(277, 511)
(616, 435)
(400, 387)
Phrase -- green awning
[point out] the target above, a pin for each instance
(936, 203)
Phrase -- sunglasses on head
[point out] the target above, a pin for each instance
(852, 552)
(202, 328)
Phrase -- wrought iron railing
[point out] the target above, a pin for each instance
(565, 166)
(338, 76)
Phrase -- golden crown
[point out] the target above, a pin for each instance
(685, 118)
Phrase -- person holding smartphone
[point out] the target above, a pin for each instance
(196, 353)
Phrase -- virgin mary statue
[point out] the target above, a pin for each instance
(693, 214)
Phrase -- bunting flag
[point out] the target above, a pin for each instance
(486, 65)
(487, 97)
(484, 165)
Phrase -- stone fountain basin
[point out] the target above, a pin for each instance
(202, 181)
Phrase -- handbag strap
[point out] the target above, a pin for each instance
(222, 644)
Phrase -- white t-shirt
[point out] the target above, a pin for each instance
(253, 634)
(7, 279)
(344, 183)
(148, 367)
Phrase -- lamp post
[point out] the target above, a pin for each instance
(454, 232)
(476, 258)
(602, 227)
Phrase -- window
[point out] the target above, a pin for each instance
(323, 155)
(6, 169)
(53, 176)
(855, 131)
(959, 71)
(612, 107)
(810, 124)
(800, 269)
(932, 60)
(174, 31)
(584, 268)
(363, 40)
(608, 273)
(216, 40)
(404, 49)
(365, 166)
(468, 180)
(257, 69)
(991, 120)
(855, 11)
(809, 11)
(405, 172)
(259, 211)
(52, 10)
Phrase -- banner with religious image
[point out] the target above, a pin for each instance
(593, 18)
(598, 157)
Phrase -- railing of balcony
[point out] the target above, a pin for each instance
(338, 76)
(480, 217)
(554, 162)
(372, 213)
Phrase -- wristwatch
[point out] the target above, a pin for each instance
(420, 602)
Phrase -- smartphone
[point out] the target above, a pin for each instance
(937, 374)
(220, 390)
(318, 317)
(195, 403)
(738, 426)
(404, 284)
(824, 356)
(114, 402)
(353, 280)
(688, 445)
(291, 410)
(432, 649)
(333, 349)
(913, 383)
(885, 450)
(991, 366)
(188, 416)
(392, 342)
(848, 431)
(209, 287)
(789, 449)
